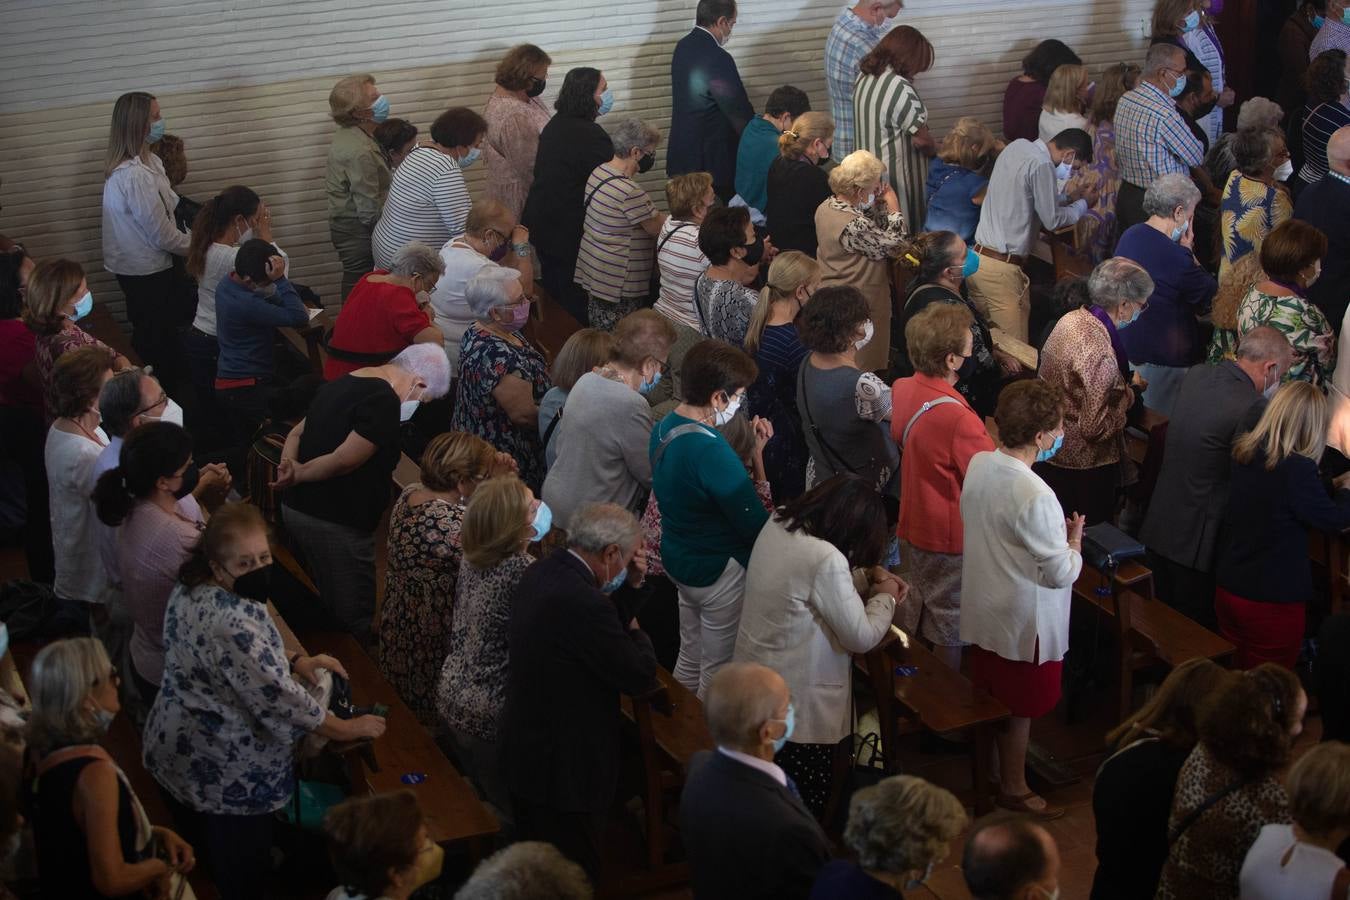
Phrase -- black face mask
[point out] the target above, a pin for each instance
(826, 158)
(191, 475)
(754, 252)
(968, 367)
(646, 162)
(1205, 109)
(536, 87)
(255, 585)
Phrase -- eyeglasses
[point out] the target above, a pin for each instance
(163, 400)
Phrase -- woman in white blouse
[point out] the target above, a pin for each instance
(804, 617)
(1065, 104)
(140, 238)
(1021, 559)
(428, 199)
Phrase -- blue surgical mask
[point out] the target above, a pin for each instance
(1345, 16)
(543, 521)
(470, 158)
(1191, 22)
(83, 307)
(156, 132)
(615, 583)
(606, 103)
(1064, 171)
(1179, 86)
(972, 263)
(790, 721)
(646, 386)
(1043, 455)
(1134, 318)
(1180, 231)
(1318, 21)
(915, 883)
(379, 110)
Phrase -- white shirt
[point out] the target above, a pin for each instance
(1022, 196)
(1018, 570)
(754, 762)
(70, 461)
(452, 313)
(219, 263)
(428, 202)
(1309, 875)
(139, 234)
(1052, 123)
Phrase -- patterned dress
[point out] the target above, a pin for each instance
(484, 359)
(1309, 332)
(1096, 230)
(888, 112)
(424, 558)
(1249, 211)
(724, 308)
(510, 146)
(52, 347)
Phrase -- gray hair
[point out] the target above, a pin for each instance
(487, 290)
(1254, 149)
(120, 401)
(429, 363)
(1167, 192)
(63, 674)
(1162, 56)
(633, 134)
(1258, 112)
(526, 871)
(902, 824)
(1117, 280)
(418, 259)
(738, 702)
(1263, 344)
(596, 526)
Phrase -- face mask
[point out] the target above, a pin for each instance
(915, 883)
(543, 521)
(1050, 895)
(429, 864)
(754, 252)
(606, 103)
(423, 298)
(1345, 16)
(379, 110)
(790, 722)
(1270, 389)
(646, 161)
(1285, 169)
(826, 158)
(156, 132)
(191, 475)
(1064, 171)
(407, 409)
(1191, 22)
(255, 585)
(103, 719)
(1043, 455)
(723, 416)
(1205, 109)
(972, 263)
(4, 638)
(536, 87)
(173, 414)
(614, 583)
(470, 158)
(83, 306)
(1180, 231)
(868, 331)
(1134, 318)
(646, 386)
(968, 366)
(1317, 273)
(520, 314)
(245, 236)
(1318, 21)
(871, 198)
(1178, 87)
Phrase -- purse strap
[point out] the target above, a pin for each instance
(1202, 809)
(596, 189)
(811, 420)
(686, 428)
(904, 437)
(670, 234)
(552, 426)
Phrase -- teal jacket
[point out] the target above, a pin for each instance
(758, 150)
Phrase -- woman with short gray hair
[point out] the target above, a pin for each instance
(1166, 341)
(502, 375)
(385, 312)
(1255, 201)
(618, 236)
(1085, 358)
(357, 179)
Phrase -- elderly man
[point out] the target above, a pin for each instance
(1010, 858)
(1335, 31)
(1214, 404)
(855, 32)
(1022, 198)
(1152, 138)
(1326, 205)
(574, 649)
(744, 826)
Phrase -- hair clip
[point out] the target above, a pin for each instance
(912, 258)
(792, 134)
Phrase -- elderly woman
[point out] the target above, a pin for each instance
(502, 520)
(571, 145)
(679, 263)
(1025, 94)
(1276, 497)
(1253, 201)
(502, 376)
(397, 138)
(1097, 227)
(515, 116)
(428, 200)
(1258, 113)
(1166, 341)
(385, 312)
(584, 351)
(1066, 102)
(222, 733)
(357, 180)
(603, 436)
(619, 228)
(722, 298)
(938, 432)
(57, 297)
(710, 513)
(1230, 785)
(1085, 358)
(93, 837)
(1328, 110)
(797, 182)
(900, 828)
(860, 229)
(1021, 557)
(424, 561)
(957, 179)
(892, 122)
(804, 618)
(527, 869)
(335, 470)
(379, 847)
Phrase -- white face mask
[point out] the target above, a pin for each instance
(868, 331)
(723, 416)
(1270, 389)
(871, 198)
(407, 408)
(1284, 171)
(172, 413)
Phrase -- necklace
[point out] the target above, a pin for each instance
(87, 433)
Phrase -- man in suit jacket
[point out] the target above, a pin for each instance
(1326, 205)
(744, 826)
(1214, 405)
(573, 649)
(709, 106)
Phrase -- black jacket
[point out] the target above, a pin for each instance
(569, 150)
(1326, 205)
(571, 654)
(747, 836)
(709, 109)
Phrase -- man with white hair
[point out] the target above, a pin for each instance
(855, 32)
(1325, 204)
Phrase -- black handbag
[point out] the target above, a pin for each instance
(1105, 547)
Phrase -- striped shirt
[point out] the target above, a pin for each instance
(1151, 137)
(850, 40)
(615, 259)
(1320, 124)
(1332, 35)
(427, 202)
(680, 262)
(888, 111)
(1204, 43)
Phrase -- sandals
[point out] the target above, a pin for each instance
(1019, 804)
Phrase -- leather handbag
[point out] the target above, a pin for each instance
(1105, 547)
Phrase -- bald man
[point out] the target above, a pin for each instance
(1010, 858)
(1326, 205)
(746, 831)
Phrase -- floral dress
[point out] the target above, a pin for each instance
(1308, 331)
(51, 347)
(1096, 230)
(484, 359)
(724, 308)
(424, 558)
(1249, 211)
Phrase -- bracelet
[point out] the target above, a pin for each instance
(521, 249)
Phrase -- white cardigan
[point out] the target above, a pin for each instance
(1018, 569)
(803, 618)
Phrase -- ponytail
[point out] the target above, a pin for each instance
(805, 130)
(929, 255)
(789, 271)
(113, 502)
(149, 453)
(213, 218)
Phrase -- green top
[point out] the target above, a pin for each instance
(757, 151)
(358, 177)
(709, 509)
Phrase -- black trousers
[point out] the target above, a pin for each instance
(1090, 492)
(558, 273)
(157, 305)
(237, 849)
(577, 835)
(1188, 591)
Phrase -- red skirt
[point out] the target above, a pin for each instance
(1028, 689)
(1262, 632)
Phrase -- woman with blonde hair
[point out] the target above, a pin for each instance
(357, 179)
(1097, 228)
(502, 519)
(1066, 101)
(515, 116)
(797, 182)
(1276, 497)
(424, 564)
(958, 178)
(58, 296)
(778, 351)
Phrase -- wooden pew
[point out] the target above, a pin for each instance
(308, 339)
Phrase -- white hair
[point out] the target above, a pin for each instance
(1258, 112)
(63, 674)
(596, 526)
(429, 363)
(1167, 192)
(1117, 280)
(417, 258)
(527, 871)
(633, 134)
(487, 290)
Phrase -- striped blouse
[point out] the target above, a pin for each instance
(681, 262)
(428, 202)
(1321, 123)
(616, 256)
(888, 111)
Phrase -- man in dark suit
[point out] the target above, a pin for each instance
(1214, 405)
(573, 649)
(1326, 205)
(709, 106)
(744, 826)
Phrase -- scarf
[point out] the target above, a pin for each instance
(1117, 344)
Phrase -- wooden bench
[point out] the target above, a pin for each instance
(308, 339)
(935, 698)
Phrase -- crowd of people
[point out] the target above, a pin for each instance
(829, 394)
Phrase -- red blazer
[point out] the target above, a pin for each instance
(933, 463)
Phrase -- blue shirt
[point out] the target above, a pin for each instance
(949, 192)
(1166, 334)
(849, 41)
(244, 323)
(758, 150)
